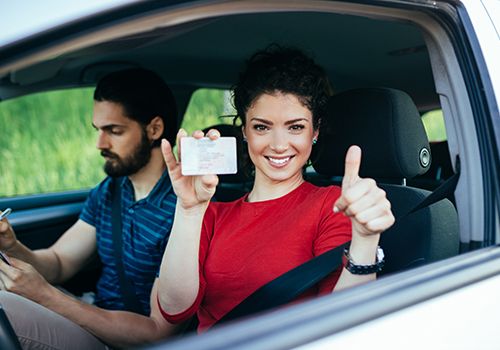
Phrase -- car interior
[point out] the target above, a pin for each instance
(386, 69)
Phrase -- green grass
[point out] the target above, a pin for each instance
(48, 143)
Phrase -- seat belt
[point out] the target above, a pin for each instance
(288, 286)
(128, 295)
(444, 191)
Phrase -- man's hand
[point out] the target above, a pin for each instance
(7, 236)
(22, 278)
(362, 200)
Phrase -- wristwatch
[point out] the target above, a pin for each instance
(364, 269)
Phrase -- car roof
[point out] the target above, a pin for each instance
(356, 51)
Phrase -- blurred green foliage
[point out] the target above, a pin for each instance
(434, 125)
(47, 143)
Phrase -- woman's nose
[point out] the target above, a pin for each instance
(279, 143)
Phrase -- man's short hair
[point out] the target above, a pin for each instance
(143, 96)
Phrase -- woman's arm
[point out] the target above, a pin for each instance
(179, 272)
(370, 213)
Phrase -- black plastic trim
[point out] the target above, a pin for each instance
(42, 217)
(43, 200)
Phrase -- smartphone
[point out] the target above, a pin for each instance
(5, 213)
(5, 258)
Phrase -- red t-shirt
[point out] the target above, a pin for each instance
(245, 245)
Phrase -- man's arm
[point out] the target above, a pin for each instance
(63, 259)
(116, 328)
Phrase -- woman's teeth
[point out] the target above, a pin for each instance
(280, 160)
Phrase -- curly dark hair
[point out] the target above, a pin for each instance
(286, 70)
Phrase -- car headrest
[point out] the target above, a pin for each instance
(385, 123)
(231, 130)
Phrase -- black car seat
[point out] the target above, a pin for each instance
(234, 186)
(386, 125)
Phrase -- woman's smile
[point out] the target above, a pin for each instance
(279, 162)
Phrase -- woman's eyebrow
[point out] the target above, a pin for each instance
(296, 121)
(261, 120)
(288, 122)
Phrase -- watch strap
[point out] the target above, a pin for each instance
(356, 269)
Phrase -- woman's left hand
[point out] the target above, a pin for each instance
(362, 200)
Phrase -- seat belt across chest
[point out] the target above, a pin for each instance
(128, 295)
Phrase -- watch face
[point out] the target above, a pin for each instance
(380, 254)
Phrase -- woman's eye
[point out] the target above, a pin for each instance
(297, 127)
(260, 127)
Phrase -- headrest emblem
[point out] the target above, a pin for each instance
(425, 157)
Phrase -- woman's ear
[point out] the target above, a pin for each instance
(315, 134)
(155, 128)
(243, 133)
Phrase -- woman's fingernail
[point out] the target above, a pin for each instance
(335, 209)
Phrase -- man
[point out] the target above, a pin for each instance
(133, 110)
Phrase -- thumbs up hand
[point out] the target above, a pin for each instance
(362, 200)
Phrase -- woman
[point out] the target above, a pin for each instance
(220, 253)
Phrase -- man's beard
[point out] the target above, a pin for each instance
(116, 166)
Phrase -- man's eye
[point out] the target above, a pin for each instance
(116, 131)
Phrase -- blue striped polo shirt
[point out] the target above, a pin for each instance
(146, 226)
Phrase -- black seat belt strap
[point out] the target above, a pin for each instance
(444, 191)
(293, 283)
(288, 286)
(129, 297)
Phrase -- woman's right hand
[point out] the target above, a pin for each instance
(7, 236)
(191, 191)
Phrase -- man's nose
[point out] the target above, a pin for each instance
(102, 141)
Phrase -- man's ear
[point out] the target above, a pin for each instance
(155, 128)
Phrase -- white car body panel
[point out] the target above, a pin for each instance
(445, 322)
(485, 17)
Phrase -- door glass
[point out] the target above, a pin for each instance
(48, 143)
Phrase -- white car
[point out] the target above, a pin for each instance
(442, 277)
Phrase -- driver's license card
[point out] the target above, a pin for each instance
(204, 156)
